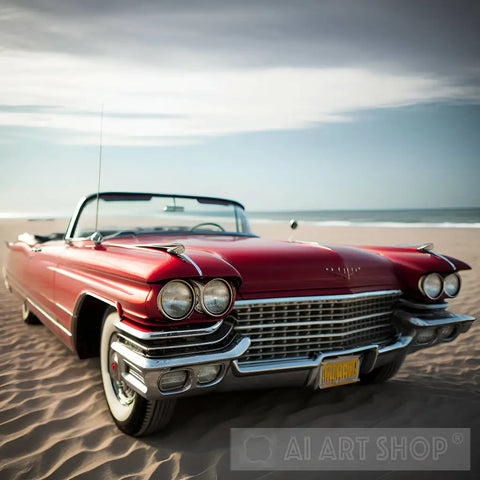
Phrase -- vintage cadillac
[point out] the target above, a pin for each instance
(177, 297)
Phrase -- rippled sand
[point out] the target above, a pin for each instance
(54, 423)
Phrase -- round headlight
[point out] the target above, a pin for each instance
(451, 285)
(432, 285)
(217, 297)
(176, 300)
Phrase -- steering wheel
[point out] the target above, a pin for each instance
(208, 223)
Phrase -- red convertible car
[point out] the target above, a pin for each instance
(178, 297)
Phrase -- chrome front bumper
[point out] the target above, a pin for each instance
(143, 374)
(430, 324)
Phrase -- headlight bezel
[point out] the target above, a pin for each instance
(202, 297)
(424, 278)
(160, 298)
(197, 294)
(457, 276)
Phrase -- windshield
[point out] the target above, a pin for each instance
(143, 214)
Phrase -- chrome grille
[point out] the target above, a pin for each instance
(304, 327)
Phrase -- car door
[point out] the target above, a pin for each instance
(40, 274)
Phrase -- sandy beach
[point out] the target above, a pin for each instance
(54, 422)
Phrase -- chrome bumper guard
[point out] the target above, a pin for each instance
(430, 325)
(144, 374)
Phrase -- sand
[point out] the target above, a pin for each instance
(54, 421)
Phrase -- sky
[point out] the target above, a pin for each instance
(281, 105)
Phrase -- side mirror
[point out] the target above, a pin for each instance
(96, 238)
(293, 224)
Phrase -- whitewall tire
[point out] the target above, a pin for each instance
(132, 413)
(28, 316)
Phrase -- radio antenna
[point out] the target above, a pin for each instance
(99, 169)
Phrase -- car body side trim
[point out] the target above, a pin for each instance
(61, 307)
(48, 316)
(35, 305)
(431, 252)
(419, 247)
(189, 260)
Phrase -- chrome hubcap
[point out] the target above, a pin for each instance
(125, 395)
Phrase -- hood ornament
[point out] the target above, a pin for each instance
(420, 247)
(176, 249)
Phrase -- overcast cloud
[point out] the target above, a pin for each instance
(174, 72)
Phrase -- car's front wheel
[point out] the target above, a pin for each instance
(132, 413)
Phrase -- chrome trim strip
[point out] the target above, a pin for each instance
(318, 322)
(442, 257)
(423, 306)
(73, 219)
(425, 247)
(275, 366)
(306, 350)
(189, 260)
(135, 382)
(335, 311)
(420, 247)
(166, 334)
(61, 307)
(48, 316)
(280, 300)
(320, 335)
(239, 348)
(402, 342)
(446, 319)
(172, 248)
(147, 348)
(175, 249)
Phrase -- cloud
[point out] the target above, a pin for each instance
(148, 105)
(177, 72)
(411, 35)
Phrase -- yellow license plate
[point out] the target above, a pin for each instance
(339, 371)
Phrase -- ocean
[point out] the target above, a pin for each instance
(408, 218)
(411, 218)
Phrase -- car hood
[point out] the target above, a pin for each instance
(278, 266)
(266, 265)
